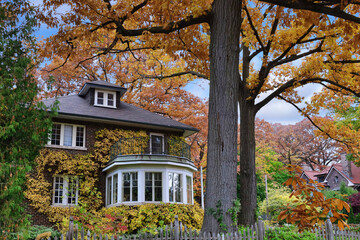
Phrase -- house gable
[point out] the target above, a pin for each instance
(335, 177)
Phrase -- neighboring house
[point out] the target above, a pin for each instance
(151, 173)
(332, 176)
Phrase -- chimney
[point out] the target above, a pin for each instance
(346, 165)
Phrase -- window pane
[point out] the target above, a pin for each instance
(171, 187)
(189, 189)
(108, 191)
(126, 187)
(158, 186)
(55, 134)
(110, 99)
(177, 187)
(72, 190)
(80, 136)
(100, 98)
(58, 190)
(156, 144)
(134, 186)
(115, 188)
(148, 186)
(68, 131)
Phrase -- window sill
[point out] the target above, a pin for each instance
(106, 106)
(63, 205)
(66, 147)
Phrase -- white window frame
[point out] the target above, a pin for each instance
(153, 186)
(112, 189)
(65, 191)
(163, 141)
(62, 132)
(191, 190)
(131, 186)
(105, 103)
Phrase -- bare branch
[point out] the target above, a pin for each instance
(256, 33)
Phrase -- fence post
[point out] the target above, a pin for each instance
(261, 229)
(176, 226)
(329, 230)
(70, 234)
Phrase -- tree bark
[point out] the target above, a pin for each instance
(247, 147)
(225, 27)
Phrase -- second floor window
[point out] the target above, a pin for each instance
(105, 98)
(68, 135)
(156, 143)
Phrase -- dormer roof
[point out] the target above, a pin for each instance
(101, 85)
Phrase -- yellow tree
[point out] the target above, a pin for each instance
(204, 35)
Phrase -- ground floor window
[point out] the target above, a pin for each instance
(130, 186)
(189, 189)
(175, 187)
(112, 189)
(149, 185)
(66, 190)
(153, 186)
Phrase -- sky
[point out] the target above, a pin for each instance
(276, 111)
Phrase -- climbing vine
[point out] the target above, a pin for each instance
(87, 167)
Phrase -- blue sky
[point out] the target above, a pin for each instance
(275, 112)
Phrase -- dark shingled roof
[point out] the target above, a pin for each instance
(75, 106)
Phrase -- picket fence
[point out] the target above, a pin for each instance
(178, 231)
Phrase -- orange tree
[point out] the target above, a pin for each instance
(202, 38)
(313, 208)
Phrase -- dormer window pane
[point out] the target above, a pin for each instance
(110, 99)
(68, 130)
(100, 98)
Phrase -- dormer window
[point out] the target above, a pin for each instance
(105, 98)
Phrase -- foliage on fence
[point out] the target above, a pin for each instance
(51, 163)
(314, 207)
(127, 219)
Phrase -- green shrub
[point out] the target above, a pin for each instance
(288, 233)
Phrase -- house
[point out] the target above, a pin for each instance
(152, 168)
(332, 176)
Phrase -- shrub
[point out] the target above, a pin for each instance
(288, 233)
(127, 219)
(278, 198)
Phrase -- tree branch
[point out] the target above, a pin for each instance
(319, 7)
(175, 75)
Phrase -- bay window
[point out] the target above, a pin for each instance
(189, 189)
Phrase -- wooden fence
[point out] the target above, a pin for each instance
(178, 231)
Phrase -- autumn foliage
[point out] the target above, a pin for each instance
(313, 208)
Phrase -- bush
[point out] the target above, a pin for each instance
(288, 233)
(278, 199)
(127, 219)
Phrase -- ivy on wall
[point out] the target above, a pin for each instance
(87, 167)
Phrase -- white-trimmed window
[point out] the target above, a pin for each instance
(189, 189)
(156, 143)
(69, 135)
(175, 188)
(105, 98)
(112, 189)
(153, 186)
(66, 190)
(129, 186)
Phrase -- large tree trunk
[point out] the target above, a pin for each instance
(247, 148)
(224, 79)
